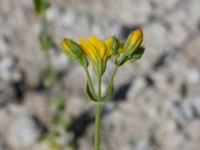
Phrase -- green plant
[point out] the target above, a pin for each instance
(59, 121)
(98, 53)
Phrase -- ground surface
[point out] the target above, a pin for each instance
(157, 99)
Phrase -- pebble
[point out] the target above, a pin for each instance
(24, 132)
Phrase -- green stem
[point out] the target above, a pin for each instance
(97, 127)
(98, 117)
(111, 80)
(99, 88)
(44, 22)
(90, 81)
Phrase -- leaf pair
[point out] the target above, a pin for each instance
(107, 96)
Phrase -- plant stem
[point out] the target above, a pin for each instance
(90, 81)
(98, 117)
(97, 127)
(99, 88)
(111, 79)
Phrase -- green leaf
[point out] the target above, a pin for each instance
(37, 5)
(90, 94)
(49, 77)
(60, 122)
(108, 95)
(121, 61)
(58, 102)
(46, 41)
(137, 54)
(41, 6)
(52, 141)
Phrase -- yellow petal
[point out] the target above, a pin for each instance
(99, 45)
(64, 44)
(88, 48)
(108, 42)
(137, 36)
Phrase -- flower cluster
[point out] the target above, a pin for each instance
(99, 52)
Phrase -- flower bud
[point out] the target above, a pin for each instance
(74, 51)
(113, 45)
(132, 47)
(134, 41)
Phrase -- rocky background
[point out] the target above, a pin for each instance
(156, 105)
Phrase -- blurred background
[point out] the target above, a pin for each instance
(156, 103)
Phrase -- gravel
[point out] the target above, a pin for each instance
(160, 105)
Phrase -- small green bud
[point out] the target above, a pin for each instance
(46, 41)
(113, 45)
(57, 102)
(49, 77)
(74, 51)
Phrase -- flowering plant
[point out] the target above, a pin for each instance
(99, 52)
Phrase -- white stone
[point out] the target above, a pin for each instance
(3, 46)
(5, 68)
(52, 13)
(23, 133)
(137, 86)
(193, 75)
(60, 60)
(68, 19)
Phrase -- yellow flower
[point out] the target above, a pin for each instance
(94, 48)
(100, 51)
(97, 51)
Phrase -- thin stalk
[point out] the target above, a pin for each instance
(111, 79)
(97, 127)
(44, 24)
(99, 88)
(98, 117)
(90, 81)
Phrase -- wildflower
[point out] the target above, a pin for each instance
(97, 51)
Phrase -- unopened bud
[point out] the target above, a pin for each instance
(74, 51)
